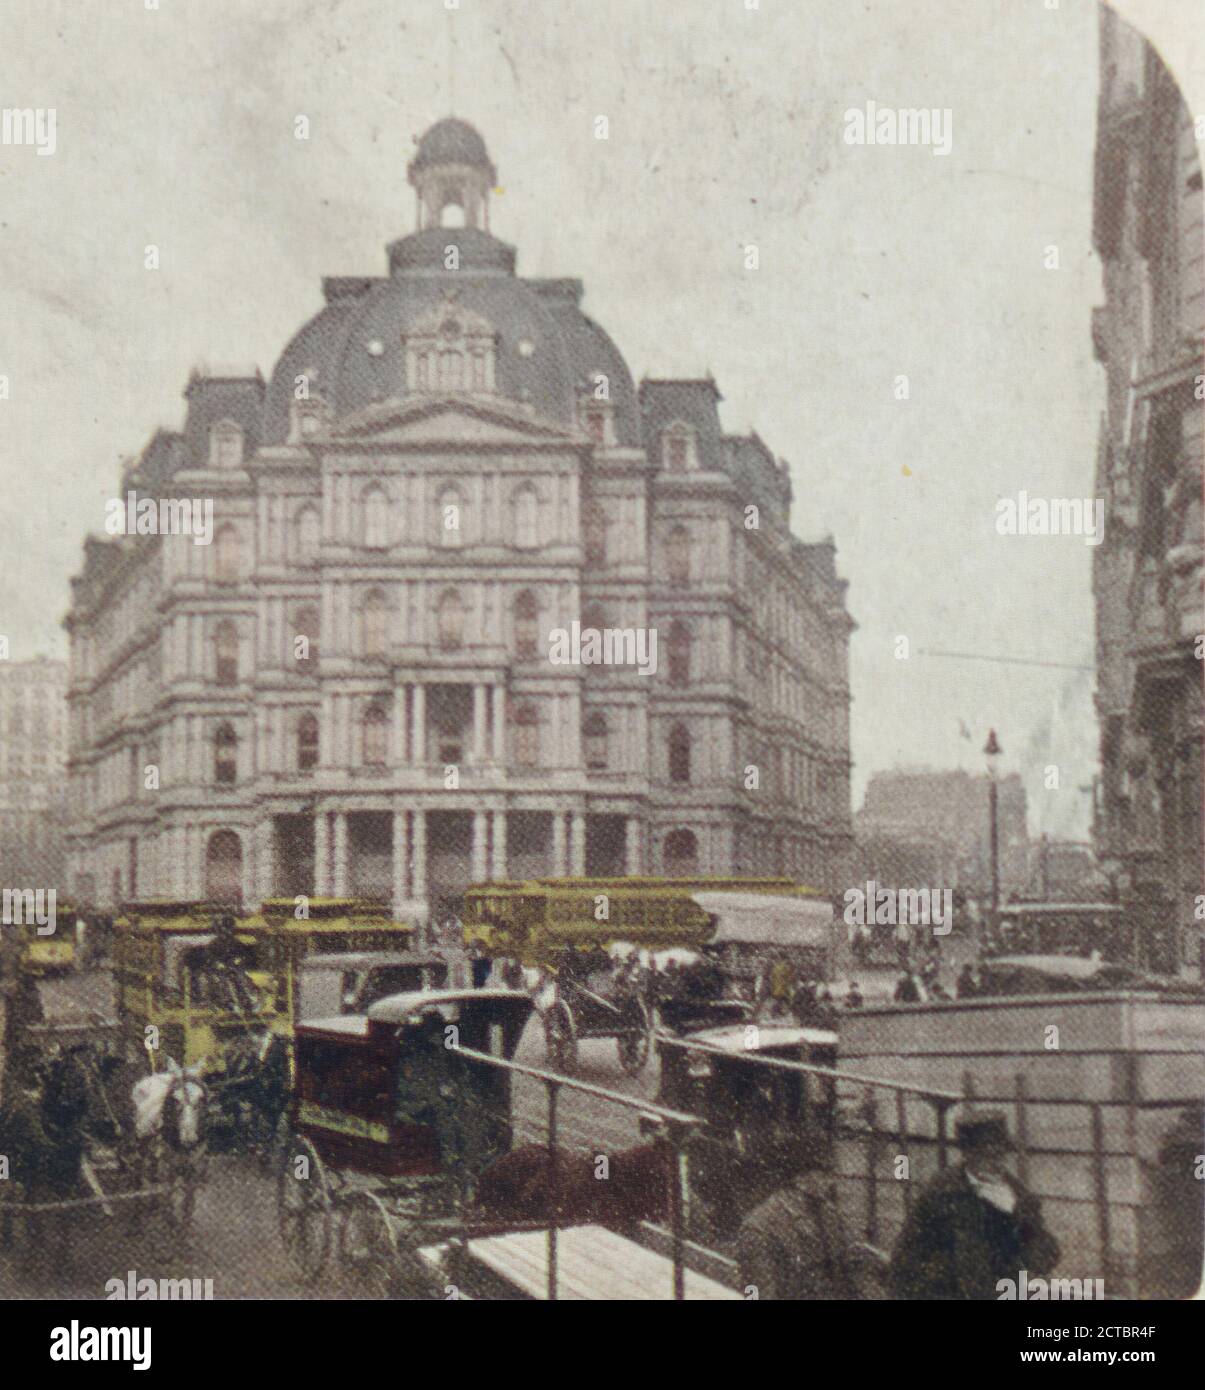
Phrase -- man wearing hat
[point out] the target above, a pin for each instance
(973, 1224)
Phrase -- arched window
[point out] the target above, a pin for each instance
(677, 556)
(307, 742)
(225, 755)
(679, 654)
(376, 625)
(527, 632)
(227, 555)
(374, 505)
(224, 868)
(376, 736)
(304, 652)
(594, 536)
(526, 736)
(681, 854)
(679, 754)
(225, 650)
(594, 616)
(450, 621)
(307, 534)
(450, 511)
(525, 517)
(225, 445)
(594, 739)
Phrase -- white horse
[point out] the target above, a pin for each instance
(169, 1128)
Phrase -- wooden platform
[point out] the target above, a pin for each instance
(593, 1264)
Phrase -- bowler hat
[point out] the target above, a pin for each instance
(987, 1130)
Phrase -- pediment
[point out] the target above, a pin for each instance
(459, 420)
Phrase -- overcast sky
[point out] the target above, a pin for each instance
(175, 127)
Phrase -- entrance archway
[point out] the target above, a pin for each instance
(224, 869)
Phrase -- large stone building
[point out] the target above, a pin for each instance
(33, 755)
(922, 827)
(1148, 572)
(354, 688)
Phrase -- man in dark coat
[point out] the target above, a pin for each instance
(794, 1245)
(973, 1225)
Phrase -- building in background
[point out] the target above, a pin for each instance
(33, 756)
(352, 688)
(919, 827)
(1148, 573)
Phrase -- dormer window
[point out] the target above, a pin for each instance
(225, 445)
(309, 416)
(450, 350)
(678, 449)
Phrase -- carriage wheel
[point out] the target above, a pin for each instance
(368, 1242)
(305, 1208)
(560, 1037)
(633, 1043)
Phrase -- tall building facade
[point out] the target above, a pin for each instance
(33, 758)
(1148, 573)
(920, 827)
(379, 677)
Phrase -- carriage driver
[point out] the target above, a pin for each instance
(433, 1089)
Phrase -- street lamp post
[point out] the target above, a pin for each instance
(992, 752)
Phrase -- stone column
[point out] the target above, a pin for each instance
(419, 856)
(322, 855)
(418, 727)
(498, 869)
(249, 862)
(340, 854)
(635, 846)
(479, 724)
(480, 871)
(180, 862)
(578, 845)
(499, 724)
(560, 865)
(267, 858)
(401, 859)
(403, 725)
(196, 863)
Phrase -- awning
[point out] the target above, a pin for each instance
(764, 920)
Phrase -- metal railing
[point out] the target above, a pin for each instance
(675, 1129)
(940, 1100)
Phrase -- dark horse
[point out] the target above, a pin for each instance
(43, 1134)
(521, 1187)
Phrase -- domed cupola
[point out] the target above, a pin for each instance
(452, 168)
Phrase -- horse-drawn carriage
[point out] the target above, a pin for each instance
(573, 930)
(82, 1129)
(392, 1119)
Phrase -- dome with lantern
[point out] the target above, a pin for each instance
(451, 316)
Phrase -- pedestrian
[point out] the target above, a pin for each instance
(794, 1245)
(973, 1225)
(853, 996)
(903, 944)
(906, 991)
(967, 984)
